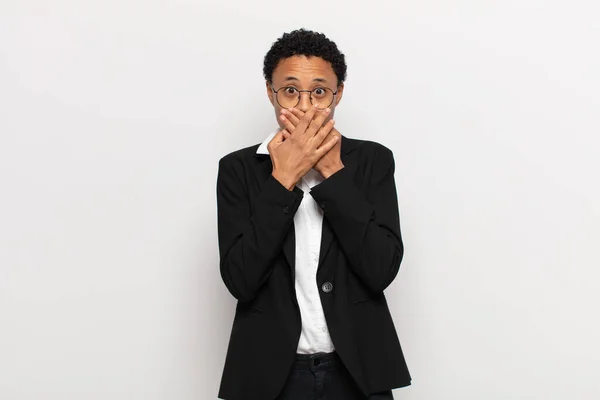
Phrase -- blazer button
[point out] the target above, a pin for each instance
(323, 204)
(286, 209)
(327, 287)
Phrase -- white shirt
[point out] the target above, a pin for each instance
(308, 222)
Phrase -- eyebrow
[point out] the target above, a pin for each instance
(293, 78)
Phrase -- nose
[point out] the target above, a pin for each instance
(304, 104)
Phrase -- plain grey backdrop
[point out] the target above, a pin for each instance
(113, 115)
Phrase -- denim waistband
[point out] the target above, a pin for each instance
(317, 360)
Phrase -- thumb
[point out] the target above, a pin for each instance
(277, 139)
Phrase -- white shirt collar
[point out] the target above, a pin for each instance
(262, 149)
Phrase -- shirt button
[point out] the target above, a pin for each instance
(324, 329)
(327, 287)
(286, 209)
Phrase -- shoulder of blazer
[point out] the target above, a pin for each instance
(370, 148)
(236, 162)
(376, 154)
(240, 153)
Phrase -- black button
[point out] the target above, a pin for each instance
(323, 204)
(327, 287)
(286, 209)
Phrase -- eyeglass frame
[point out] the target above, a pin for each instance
(300, 95)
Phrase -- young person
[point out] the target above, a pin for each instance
(309, 239)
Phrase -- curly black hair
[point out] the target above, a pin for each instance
(307, 43)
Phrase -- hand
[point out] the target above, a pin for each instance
(331, 162)
(301, 149)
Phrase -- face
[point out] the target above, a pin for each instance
(304, 73)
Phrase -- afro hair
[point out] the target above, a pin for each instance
(307, 43)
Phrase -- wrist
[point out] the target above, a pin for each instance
(286, 181)
(327, 172)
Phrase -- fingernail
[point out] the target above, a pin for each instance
(283, 111)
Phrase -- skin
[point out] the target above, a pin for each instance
(307, 138)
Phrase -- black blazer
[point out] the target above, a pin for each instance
(361, 251)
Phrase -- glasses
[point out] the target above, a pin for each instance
(289, 96)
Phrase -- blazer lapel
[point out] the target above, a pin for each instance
(327, 232)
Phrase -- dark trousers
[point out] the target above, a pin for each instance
(323, 376)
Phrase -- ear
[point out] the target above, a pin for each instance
(339, 95)
(270, 93)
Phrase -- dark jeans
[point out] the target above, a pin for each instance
(323, 376)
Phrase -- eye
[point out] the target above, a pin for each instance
(319, 91)
(290, 90)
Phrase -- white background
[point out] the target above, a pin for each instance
(114, 113)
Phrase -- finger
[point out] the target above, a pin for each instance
(317, 122)
(277, 139)
(286, 135)
(287, 123)
(294, 115)
(324, 132)
(274, 142)
(321, 151)
(298, 114)
(306, 120)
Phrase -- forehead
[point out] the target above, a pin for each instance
(305, 69)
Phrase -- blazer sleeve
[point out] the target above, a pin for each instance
(250, 237)
(367, 226)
